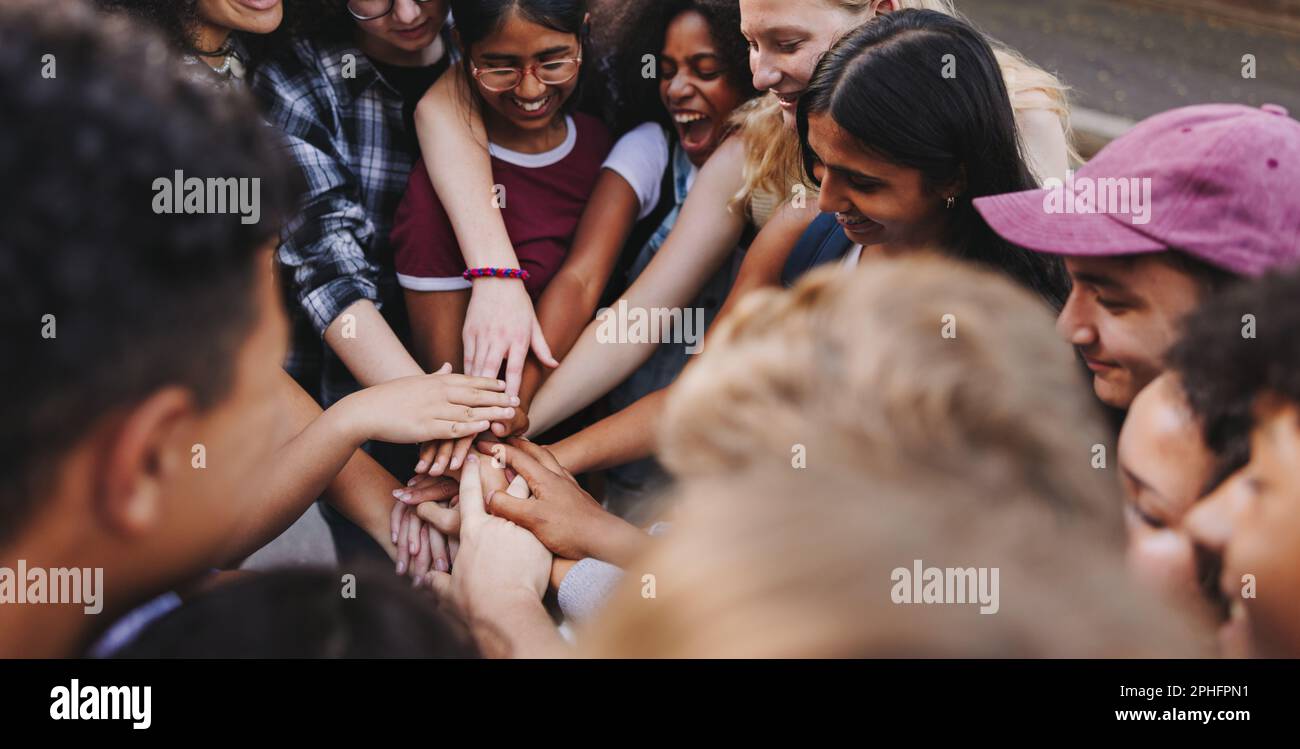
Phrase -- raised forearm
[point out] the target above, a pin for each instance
(563, 312)
(453, 142)
(294, 475)
(518, 629)
(619, 438)
(368, 347)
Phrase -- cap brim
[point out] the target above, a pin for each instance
(1020, 218)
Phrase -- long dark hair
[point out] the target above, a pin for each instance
(478, 19)
(885, 84)
(627, 32)
(178, 21)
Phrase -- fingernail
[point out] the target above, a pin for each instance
(401, 568)
(514, 400)
(397, 493)
(440, 564)
(413, 480)
(415, 582)
(394, 537)
(473, 458)
(405, 496)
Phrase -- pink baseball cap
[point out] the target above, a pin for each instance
(1219, 182)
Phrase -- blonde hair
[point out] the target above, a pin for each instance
(801, 564)
(921, 358)
(774, 160)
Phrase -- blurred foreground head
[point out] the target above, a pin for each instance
(813, 564)
(912, 365)
(306, 613)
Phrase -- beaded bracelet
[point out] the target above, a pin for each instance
(473, 273)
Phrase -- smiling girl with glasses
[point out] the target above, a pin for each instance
(521, 71)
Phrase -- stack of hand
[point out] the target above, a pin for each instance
(518, 521)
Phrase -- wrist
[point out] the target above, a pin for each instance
(614, 540)
(520, 629)
(502, 604)
(569, 453)
(494, 285)
(346, 419)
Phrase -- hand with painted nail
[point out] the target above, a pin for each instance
(412, 410)
(421, 489)
(420, 547)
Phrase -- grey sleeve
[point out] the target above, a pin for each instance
(585, 589)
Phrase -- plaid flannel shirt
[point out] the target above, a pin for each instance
(348, 138)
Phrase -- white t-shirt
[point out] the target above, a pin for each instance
(641, 157)
(852, 257)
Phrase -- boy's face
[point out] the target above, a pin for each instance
(410, 27)
(1252, 525)
(1165, 466)
(201, 507)
(1122, 315)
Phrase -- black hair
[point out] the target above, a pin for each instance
(628, 32)
(884, 84)
(476, 20)
(306, 613)
(1211, 278)
(1223, 369)
(315, 19)
(105, 300)
(177, 20)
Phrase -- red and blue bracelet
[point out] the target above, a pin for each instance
(473, 273)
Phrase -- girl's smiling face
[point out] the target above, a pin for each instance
(532, 105)
(876, 202)
(252, 16)
(787, 38)
(694, 86)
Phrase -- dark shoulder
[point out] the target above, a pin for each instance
(305, 62)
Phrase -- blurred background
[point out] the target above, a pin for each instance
(1128, 59)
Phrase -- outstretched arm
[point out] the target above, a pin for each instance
(706, 233)
(324, 451)
(571, 297)
(631, 434)
(500, 324)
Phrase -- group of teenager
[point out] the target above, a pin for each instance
(854, 194)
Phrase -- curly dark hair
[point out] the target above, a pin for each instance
(626, 32)
(176, 19)
(1223, 370)
(140, 300)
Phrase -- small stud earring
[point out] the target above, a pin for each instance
(951, 201)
